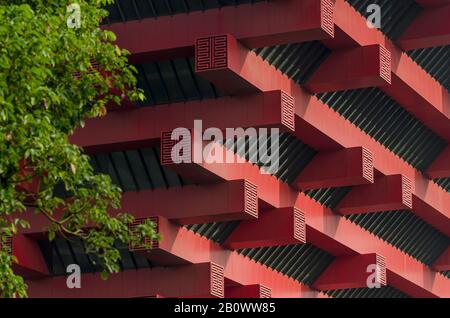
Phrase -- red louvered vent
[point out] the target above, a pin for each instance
(287, 111)
(265, 292)
(6, 245)
(381, 270)
(385, 64)
(251, 198)
(367, 165)
(167, 145)
(327, 16)
(154, 243)
(299, 225)
(217, 281)
(211, 53)
(406, 192)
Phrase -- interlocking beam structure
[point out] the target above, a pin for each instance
(442, 264)
(440, 168)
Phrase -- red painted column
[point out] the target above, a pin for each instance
(354, 68)
(442, 264)
(204, 280)
(440, 168)
(430, 28)
(30, 262)
(387, 193)
(195, 204)
(346, 167)
(275, 227)
(352, 272)
(249, 291)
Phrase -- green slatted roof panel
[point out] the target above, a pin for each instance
(396, 15)
(172, 81)
(444, 183)
(435, 61)
(298, 61)
(127, 10)
(302, 262)
(383, 292)
(386, 121)
(405, 231)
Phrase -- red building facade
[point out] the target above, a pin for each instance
(363, 162)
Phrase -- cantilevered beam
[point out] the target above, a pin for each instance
(118, 131)
(440, 168)
(442, 264)
(275, 227)
(353, 272)
(430, 28)
(361, 67)
(204, 280)
(249, 291)
(387, 193)
(195, 204)
(30, 262)
(301, 21)
(341, 168)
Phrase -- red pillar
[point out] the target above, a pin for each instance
(346, 167)
(385, 194)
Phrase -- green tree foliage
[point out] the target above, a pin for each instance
(48, 87)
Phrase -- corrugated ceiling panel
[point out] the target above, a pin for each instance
(386, 121)
(396, 15)
(171, 81)
(444, 183)
(126, 10)
(138, 169)
(435, 61)
(405, 231)
(298, 61)
(383, 292)
(302, 262)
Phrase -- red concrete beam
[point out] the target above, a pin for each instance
(442, 264)
(301, 21)
(119, 131)
(341, 168)
(275, 227)
(353, 272)
(195, 204)
(249, 291)
(30, 262)
(204, 280)
(387, 193)
(440, 168)
(414, 89)
(430, 28)
(354, 68)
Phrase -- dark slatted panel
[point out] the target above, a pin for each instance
(383, 292)
(444, 183)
